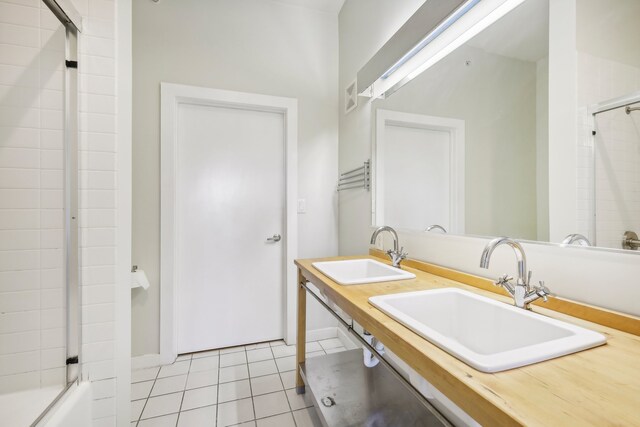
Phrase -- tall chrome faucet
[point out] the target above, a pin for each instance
(578, 239)
(521, 291)
(395, 254)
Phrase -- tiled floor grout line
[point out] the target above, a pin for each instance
(184, 391)
(217, 420)
(253, 403)
(285, 393)
(147, 399)
(159, 416)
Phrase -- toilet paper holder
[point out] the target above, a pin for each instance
(139, 278)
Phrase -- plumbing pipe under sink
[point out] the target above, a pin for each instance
(369, 359)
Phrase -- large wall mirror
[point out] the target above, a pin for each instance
(464, 147)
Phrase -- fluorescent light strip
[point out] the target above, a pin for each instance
(478, 19)
(485, 22)
(431, 36)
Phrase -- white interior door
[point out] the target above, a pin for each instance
(229, 200)
(420, 159)
(423, 155)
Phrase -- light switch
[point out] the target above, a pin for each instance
(302, 206)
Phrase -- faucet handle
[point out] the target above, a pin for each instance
(396, 256)
(502, 280)
(543, 292)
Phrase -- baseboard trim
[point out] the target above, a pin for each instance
(322, 334)
(146, 361)
(347, 339)
(153, 360)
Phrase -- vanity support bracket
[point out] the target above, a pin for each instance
(302, 331)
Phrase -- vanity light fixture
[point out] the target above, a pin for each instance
(471, 17)
(457, 14)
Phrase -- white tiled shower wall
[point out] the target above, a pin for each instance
(98, 188)
(32, 296)
(97, 198)
(617, 152)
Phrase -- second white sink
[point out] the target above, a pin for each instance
(488, 335)
(359, 271)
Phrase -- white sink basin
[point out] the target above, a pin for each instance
(488, 335)
(358, 271)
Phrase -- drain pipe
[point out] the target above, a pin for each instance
(369, 359)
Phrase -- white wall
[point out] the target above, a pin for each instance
(542, 148)
(257, 46)
(99, 187)
(562, 119)
(603, 278)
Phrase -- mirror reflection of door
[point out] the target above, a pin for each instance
(419, 170)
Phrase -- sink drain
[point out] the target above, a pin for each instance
(328, 401)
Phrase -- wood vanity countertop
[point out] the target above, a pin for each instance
(595, 387)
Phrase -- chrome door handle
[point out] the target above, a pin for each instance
(274, 238)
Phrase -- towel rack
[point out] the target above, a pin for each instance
(356, 178)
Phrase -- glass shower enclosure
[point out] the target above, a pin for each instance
(39, 293)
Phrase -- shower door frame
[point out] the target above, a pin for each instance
(592, 111)
(72, 21)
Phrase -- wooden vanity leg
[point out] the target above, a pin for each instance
(302, 331)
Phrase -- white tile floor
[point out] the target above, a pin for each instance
(251, 385)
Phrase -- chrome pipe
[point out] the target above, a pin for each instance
(352, 171)
(351, 176)
(353, 181)
(351, 188)
(630, 241)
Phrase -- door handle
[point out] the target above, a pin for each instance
(274, 238)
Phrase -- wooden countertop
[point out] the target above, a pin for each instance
(595, 387)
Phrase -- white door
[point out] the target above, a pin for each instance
(423, 155)
(229, 201)
(417, 158)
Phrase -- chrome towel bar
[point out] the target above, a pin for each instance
(356, 178)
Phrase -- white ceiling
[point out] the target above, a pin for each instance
(521, 34)
(331, 6)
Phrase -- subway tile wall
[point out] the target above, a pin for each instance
(607, 162)
(97, 201)
(32, 292)
(32, 299)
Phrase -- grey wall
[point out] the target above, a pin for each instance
(255, 46)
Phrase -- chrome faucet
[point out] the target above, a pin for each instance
(521, 291)
(435, 227)
(576, 238)
(396, 255)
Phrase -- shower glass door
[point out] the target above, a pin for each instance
(38, 195)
